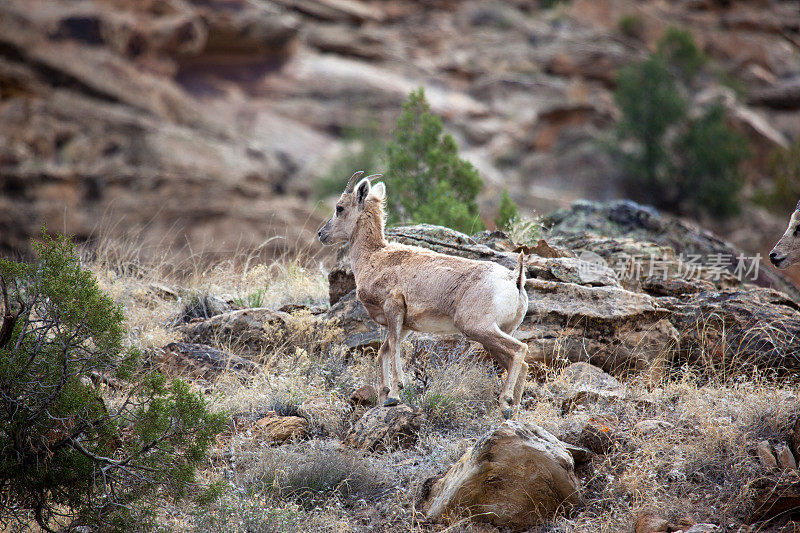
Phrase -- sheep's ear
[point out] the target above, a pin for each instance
(362, 190)
(378, 191)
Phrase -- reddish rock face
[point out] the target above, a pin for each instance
(202, 128)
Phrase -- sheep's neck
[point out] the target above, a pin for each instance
(367, 237)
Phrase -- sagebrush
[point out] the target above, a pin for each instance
(86, 438)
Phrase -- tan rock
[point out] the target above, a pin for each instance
(516, 476)
(589, 375)
(589, 384)
(244, 27)
(701, 528)
(338, 10)
(279, 429)
(649, 427)
(365, 395)
(251, 330)
(766, 455)
(385, 428)
(650, 523)
(786, 459)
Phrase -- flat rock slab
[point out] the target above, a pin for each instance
(515, 476)
(201, 361)
(385, 428)
(251, 330)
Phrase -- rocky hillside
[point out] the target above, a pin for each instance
(201, 126)
(663, 393)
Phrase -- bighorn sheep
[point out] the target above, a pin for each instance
(407, 288)
(787, 251)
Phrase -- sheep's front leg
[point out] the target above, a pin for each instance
(395, 311)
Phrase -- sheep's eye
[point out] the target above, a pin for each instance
(339, 209)
(797, 230)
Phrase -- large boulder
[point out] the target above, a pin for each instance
(610, 327)
(516, 476)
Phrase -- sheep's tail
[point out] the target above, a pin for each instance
(521, 273)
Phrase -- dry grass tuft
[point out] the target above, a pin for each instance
(454, 394)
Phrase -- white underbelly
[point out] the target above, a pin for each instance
(442, 325)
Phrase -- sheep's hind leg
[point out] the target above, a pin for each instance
(510, 353)
(394, 308)
(519, 388)
(385, 371)
(511, 395)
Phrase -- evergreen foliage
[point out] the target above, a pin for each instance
(427, 181)
(784, 167)
(671, 159)
(68, 458)
(507, 212)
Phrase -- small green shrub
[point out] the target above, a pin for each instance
(679, 51)
(427, 181)
(631, 25)
(711, 156)
(252, 299)
(550, 4)
(670, 159)
(67, 457)
(507, 212)
(784, 166)
(525, 231)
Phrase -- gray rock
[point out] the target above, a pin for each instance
(385, 428)
(202, 361)
(251, 330)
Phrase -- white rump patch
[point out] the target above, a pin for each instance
(378, 191)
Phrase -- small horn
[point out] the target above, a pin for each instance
(374, 177)
(351, 183)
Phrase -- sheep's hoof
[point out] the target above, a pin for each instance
(508, 413)
(391, 402)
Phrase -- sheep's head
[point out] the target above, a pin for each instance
(787, 251)
(350, 205)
